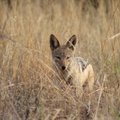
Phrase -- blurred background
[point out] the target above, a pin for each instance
(27, 89)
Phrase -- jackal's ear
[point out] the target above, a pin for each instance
(72, 42)
(54, 43)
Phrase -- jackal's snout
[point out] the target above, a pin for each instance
(63, 67)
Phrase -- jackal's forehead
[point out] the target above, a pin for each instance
(63, 51)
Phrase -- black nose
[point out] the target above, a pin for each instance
(63, 67)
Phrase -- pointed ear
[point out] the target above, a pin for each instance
(54, 43)
(72, 42)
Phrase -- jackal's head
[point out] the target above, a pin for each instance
(62, 54)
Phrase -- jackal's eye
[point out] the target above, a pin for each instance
(58, 57)
(68, 57)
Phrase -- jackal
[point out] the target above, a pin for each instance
(74, 70)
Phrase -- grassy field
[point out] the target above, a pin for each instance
(27, 80)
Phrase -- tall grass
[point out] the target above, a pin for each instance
(27, 80)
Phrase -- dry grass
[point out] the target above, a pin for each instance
(27, 85)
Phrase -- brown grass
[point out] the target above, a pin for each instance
(27, 85)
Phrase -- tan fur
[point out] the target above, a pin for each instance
(75, 70)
